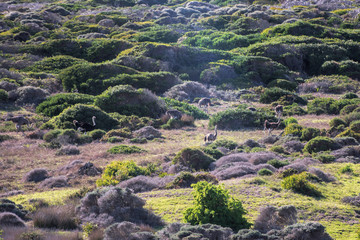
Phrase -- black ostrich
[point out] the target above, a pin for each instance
(84, 126)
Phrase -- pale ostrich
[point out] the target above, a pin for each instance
(174, 114)
(84, 126)
(19, 121)
(271, 125)
(211, 137)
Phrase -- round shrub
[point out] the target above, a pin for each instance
(278, 149)
(124, 149)
(193, 158)
(299, 183)
(264, 172)
(127, 100)
(349, 133)
(309, 133)
(118, 171)
(278, 163)
(55, 104)
(348, 109)
(283, 84)
(186, 179)
(273, 94)
(97, 134)
(355, 126)
(293, 129)
(326, 158)
(350, 95)
(335, 122)
(290, 120)
(320, 144)
(213, 204)
(55, 64)
(83, 113)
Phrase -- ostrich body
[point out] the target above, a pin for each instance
(19, 121)
(84, 126)
(204, 102)
(174, 114)
(211, 137)
(278, 111)
(252, 109)
(271, 125)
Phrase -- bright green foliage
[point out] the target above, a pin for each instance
(299, 183)
(88, 228)
(355, 126)
(329, 105)
(55, 104)
(123, 133)
(274, 94)
(186, 179)
(349, 118)
(347, 67)
(193, 158)
(118, 171)
(319, 144)
(134, 122)
(349, 133)
(290, 120)
(348, 109)
(213, 204)
(293, 129)
(348, 169)
(124, 149)
(83, 113)
(350, 95)
(87, 78)
(309, 133)
(126, 100)
(3, 95)
(278, 149)
(66, 136)
(229, 144)
(157, 35)
(283, 84)
(264, 172)
(335, 122)
(213, 152)
(185, 108)
(215, 40)
(55, 64)
(97, 134)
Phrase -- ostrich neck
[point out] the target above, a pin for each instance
(93, 121)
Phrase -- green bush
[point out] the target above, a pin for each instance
(118, 171)
(229, 144)
(329, 105)
(309, 133)
(293, 129)
(178, 123)
(213, 204)
(335, 122)
(88, 78)
(283, 84)
(349, 133)
(134, 122)
(319, 144)
(123, 133)
(349, 118)
(213, 152)
(278, 163)
(55, 104)
(350, 95)
(5, 138)
(97, 134)
(355, 126)
(3, 95)
(157, 35)
(278, 149)
(277, 94)
(193, 158)
(66, 136)
(127, 100)
(234, 119)
(124, 149)
(326, 158)
(83, 113)
(264, 172)
(54, 64)
(348, 109)
(290, 120)
(294, 109)
(185, 108)
(115, 3)
(299, 183)
(186, 179)
(348, 169)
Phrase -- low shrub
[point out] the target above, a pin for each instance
(124, 149)
(293, 129)
(278, 149)
(319, 144)
(349, 118)
(290, 120)
(326, 158)
(299, 183)
(68, 150)
(186, 179)
(5, 137)
(213, 204)
(283, 84)
(228, 144)
(348, 109)
(54, 64)
(58, 217)
(309, 133)
(55, 104)
(294, 109)
(213, 152)
(350, 95)
(348, 169)
(264, 172)
(193, 158)
(185, 108)
(278, 163)
(335, 122)
(274, 94)
(3, 95)
(355, 126)
(97, 134)
(118, 171)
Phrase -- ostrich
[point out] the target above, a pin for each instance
(278, 111)
(84, 126)
(174, 114)
(19, 121)
(271, 125)
(211, 137)
(252, 109)
(204, 102)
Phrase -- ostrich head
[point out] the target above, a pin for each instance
(75, 122)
